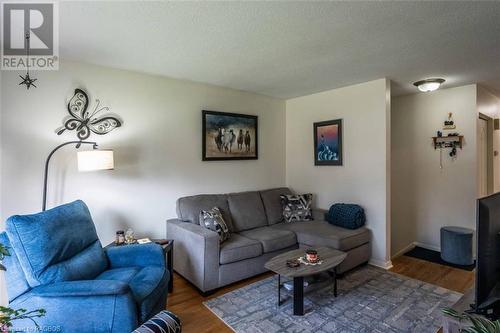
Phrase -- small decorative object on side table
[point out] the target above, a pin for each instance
(130, 236)
(120, 237)
(168, 249)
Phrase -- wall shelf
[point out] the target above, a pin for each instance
(448, 141)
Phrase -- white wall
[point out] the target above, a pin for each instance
(425, 197)
(363, 179)
(157, 151)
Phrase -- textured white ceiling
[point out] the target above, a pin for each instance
(288, 49)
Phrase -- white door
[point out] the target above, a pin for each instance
(482, 130)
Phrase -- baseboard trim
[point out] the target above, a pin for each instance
(407, 248)
(411, 246)
(381, 264)
(428, 246)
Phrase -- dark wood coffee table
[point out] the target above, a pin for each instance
(330, 258)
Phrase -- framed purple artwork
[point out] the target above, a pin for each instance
(328, 142)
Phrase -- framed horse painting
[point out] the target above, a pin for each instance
(328, 142)
(229, 136)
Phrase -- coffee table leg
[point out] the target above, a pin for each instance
(298, 296)
(335, 282)
(279, 290)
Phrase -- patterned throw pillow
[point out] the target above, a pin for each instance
(212, 219)
(163, 322)
(297, 207)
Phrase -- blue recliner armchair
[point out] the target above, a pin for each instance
(57, 263)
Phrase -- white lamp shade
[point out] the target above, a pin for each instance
(93, 160)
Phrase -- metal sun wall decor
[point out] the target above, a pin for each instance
(85, 122)
(27, 80)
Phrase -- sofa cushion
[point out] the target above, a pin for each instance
(239, 248)
(189, 208)
(321, 233)
(271, 239)
(246, 210)
(272, 204)
(57, 245)
(147, 284)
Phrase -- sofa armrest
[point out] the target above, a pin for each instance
(138, 255)
(319, 214)
(196, 253)
(81, 288)
(196, 229)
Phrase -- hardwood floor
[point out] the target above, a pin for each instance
(439, 275)
(186, 301)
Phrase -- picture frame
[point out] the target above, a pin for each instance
(229, 136)
(328, 148)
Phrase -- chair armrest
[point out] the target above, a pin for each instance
(196, 253)
(81, 288)
(139, 255)
(319, 214)
(80, 306)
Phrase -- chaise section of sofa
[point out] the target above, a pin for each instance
(258, 233)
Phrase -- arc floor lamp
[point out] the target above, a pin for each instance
(89, 160)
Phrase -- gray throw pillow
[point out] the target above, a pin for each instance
(297, 208)
(212, 219)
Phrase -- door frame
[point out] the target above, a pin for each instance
(489, 148)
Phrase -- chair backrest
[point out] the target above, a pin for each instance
(15, 279)
(57, 245)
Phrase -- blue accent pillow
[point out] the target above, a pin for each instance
(349, 216)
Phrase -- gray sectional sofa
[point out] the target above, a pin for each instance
(257, 234)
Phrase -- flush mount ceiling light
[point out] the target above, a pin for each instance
(428, 84)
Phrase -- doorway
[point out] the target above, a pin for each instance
(484, 155)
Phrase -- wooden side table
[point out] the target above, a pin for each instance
(168, 251)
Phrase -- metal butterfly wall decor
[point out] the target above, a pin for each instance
(85, 122)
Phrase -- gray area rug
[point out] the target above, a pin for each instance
(369, 300)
